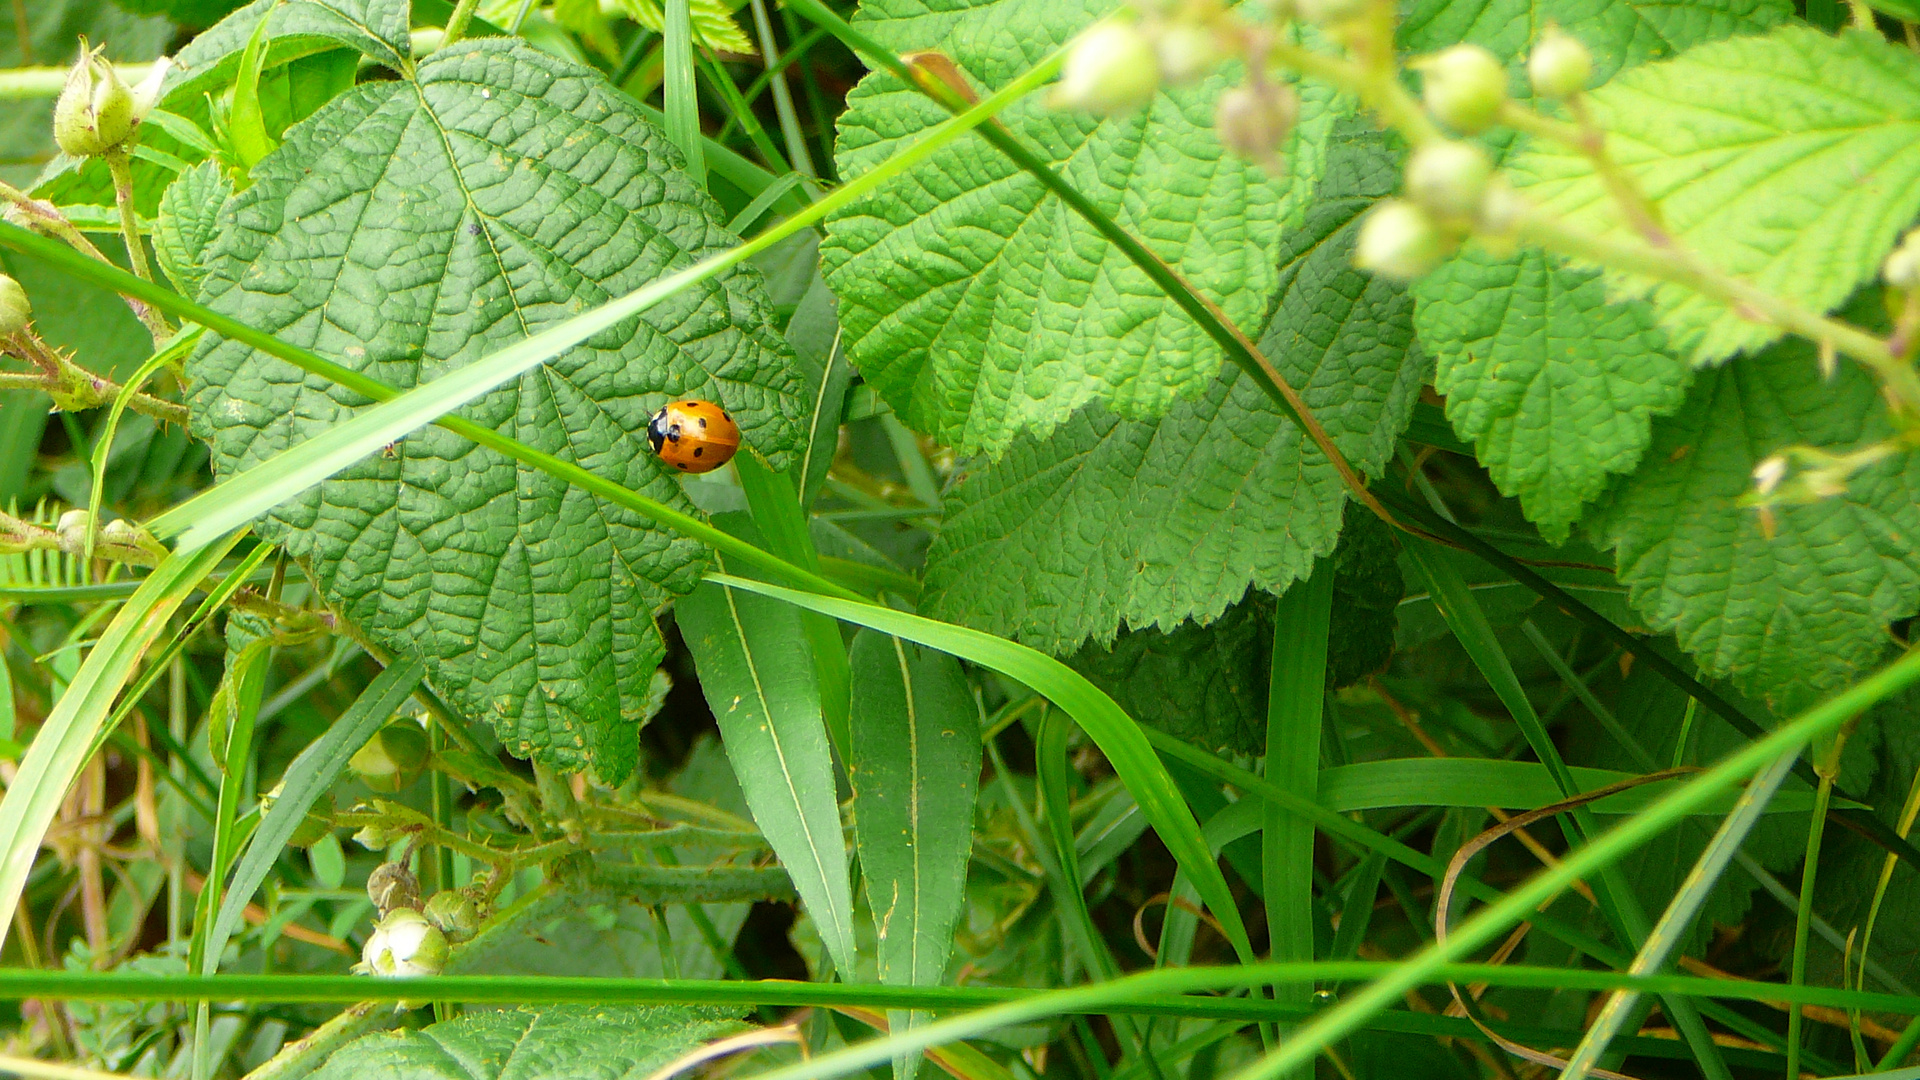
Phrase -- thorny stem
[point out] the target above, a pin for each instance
(122, 169)
(457, 22)
(72, 387)
(42, 216)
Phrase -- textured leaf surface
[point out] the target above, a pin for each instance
(1619, 33)
(1114, 521)
(1791, 160)
(557, 1042)
(712, 20)
(1555, 385)
(413, 226)
(377, 29)
(757, 672)
(1797, 615)
(980, 306)
(188, 223)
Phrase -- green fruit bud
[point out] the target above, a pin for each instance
(393, 758)
(392, 886)
(457, 914)
(404, 944)
(1449, 180)
(1186, 51)
(1398, 240)
(1902, 268)
(95, 111)
(1112, 69)
(1464, 87)
(1253, 121)
(16, 312)
(1559, 66)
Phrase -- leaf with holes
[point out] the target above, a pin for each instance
(1115, 522)
(1791, 161)
(978, 304)
(412, 226)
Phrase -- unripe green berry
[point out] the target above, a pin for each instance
(1253, 121)
(1186, 50)
(1902, 268)
(1559, 65)
(404, 944)
(392, 886)
(1464, 87)
(1111, 70)
(95, 111)
(393, 758)
(1449, 180)
(457, 914)
(16, 312)
(1398, 240)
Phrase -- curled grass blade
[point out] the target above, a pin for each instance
(1115, 733)
(173, 352)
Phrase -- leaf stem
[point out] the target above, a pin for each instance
(456, 27)
(75, 389)
(46, 217)
(122, 169)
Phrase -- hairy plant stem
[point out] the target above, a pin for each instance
(72, 387)
(42, 216)
(457, 22)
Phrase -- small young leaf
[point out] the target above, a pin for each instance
(246, 125)
(377, 29)
(1738, 145)
(915, 771)
(188, 223)
(557, 1042)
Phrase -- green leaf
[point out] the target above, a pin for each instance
(188, 224)
(246, 127)
(1739, 144)
(1113, 521)
(1203, 684)
(556, 1042)
(376, 29)
(1555, 385)
(1619, 33)
(915, 771)
(977, 304)
(712, 20)
(1792, 616)
(814, 333)
(496, 194)
(757, 672)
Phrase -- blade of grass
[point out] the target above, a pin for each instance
(62, 746)
(682, 97)
(1117, 736)
(1296, 693)
(1679, 916)
(174, 351)
(1828, 768)
(782, 96)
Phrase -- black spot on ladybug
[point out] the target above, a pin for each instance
(725, 415)
(681, 465)
(697, 449)
(703, 423)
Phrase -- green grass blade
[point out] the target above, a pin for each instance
(61, 747)
(1296, 694)
(1117, 736)
(1679, 916)
(1517, 904)
(1520, 785)
(174, 351)
(682, 97)
(306, 779)
(915, 771)
(758, 676)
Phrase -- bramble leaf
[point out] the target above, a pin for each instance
(1791, 616)
(979, 305)
(1791, 161)
(1555, 385)
(712, 21)
(188, 223)
(412, 226)
(376, 29)
(1113, 521)
(534, 1043)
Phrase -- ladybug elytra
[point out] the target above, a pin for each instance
(693, 436)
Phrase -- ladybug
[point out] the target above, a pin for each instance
(693, 436)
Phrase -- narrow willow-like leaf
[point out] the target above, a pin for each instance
(756, 670)
(1296, 694)
(915, 771)
(310, 775)
(1117, 736)
(60, 749)
(246, 124)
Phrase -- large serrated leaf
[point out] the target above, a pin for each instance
(557, 1042)
(1791, 616)
(1791, 161)
(981, 306)
(1113, 522)
(1555, 384)
(412, 226)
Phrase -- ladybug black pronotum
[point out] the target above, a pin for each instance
(693, 436)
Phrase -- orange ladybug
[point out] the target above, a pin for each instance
(693, 436)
